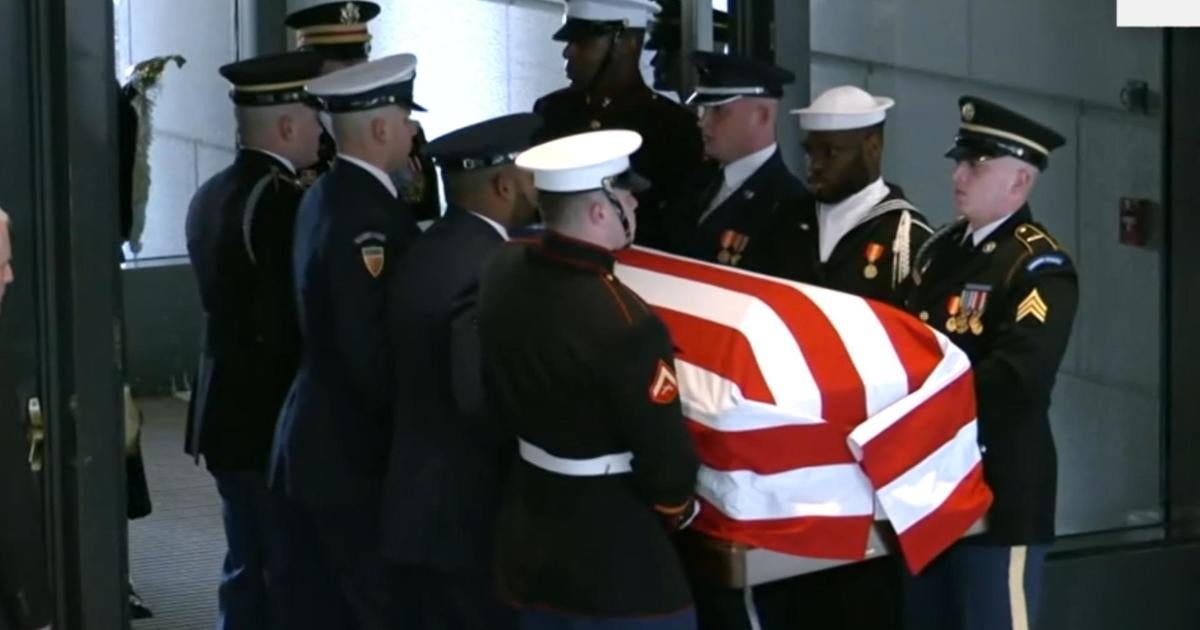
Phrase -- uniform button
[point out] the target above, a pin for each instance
(609, 277)
(924, 316)
(595, 124)
(804, 226)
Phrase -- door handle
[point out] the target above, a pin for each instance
(37, 435)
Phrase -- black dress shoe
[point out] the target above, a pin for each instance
(137, 608)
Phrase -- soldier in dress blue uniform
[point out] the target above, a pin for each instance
(724, 211)
(1005, 292)
(337, 30)
(239, 234)
(603, 46)
(449, 453)
(856, 233)
(581, 371)
(331, 446)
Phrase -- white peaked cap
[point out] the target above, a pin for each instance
(366, 77)
(844, 107)
(634, 13)
(581, 162)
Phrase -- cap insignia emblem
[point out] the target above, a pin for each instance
(351, 13)
(968, 112)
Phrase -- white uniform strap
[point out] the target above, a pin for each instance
(615, 464)
(248, 214)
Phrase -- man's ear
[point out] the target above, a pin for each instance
(285, 127)
(502, 185)
(873, 146)
(379, 130)
(597, 212)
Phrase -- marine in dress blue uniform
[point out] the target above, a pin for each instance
(581, 371)
(1003, 289)
(331, 446)
(724, 212)
(239, 234)
(449, 452)
(603, 42)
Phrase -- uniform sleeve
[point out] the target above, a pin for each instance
(271, 233)
(466, 364)
(360, 262)
(640, 372)
(1031, 339)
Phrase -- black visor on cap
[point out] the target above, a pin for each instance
(486, 144)
(575, 29)
(631, 181)
(971, 146)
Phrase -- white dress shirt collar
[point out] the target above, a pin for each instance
(374, 170)
(500, 229)
(740, 170)
(978, 236)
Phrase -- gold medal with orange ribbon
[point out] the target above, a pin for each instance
(727, 239)
(874, 253)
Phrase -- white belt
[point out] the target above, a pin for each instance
(616, 464)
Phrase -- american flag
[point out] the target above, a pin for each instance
(816, 412)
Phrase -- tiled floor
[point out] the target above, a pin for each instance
(175, 553)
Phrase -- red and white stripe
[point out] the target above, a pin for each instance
(814, 409)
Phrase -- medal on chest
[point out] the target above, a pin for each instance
(966, 309)
(873, 253)
(733, 245)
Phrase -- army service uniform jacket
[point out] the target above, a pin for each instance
(239, 234)
(1009, 302)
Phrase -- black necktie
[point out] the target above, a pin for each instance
(708, 195)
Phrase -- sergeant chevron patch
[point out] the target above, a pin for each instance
(664, 388)
(1033, 306)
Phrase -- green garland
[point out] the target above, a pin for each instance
(145, 79)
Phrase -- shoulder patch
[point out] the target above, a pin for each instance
(1046, 260)
(1034, 238)
(664, 386)
(370, 236)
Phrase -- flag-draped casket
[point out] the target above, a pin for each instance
(816, 412)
